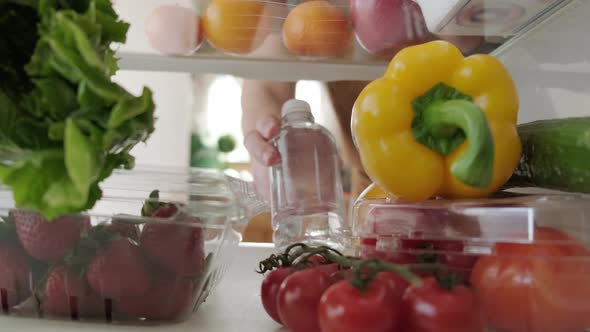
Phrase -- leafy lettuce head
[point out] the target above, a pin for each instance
(64, 124)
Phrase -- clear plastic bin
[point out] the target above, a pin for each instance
(527, 257)
(133, 258)
(360, 31)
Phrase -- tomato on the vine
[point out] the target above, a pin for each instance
(397, 285)
(299, 296)
(433, 308)
(447, 252)
(345, 308)
(329, 269)
(341, 275)
(536, 287)
(269, 290)
(316, 260)
(272, 282)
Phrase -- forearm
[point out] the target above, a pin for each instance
(262, 98)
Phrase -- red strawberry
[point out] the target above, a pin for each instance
(178, 248)
(65, 294)
(167, 299)
(48, 240)
(14, 275)
(124, 228)
(118, 270)
(165, 211)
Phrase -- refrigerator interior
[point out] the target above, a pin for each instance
(545, 45)
(546, 52)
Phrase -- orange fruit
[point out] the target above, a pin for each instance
(234, 26)
(317, 28)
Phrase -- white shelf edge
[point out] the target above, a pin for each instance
(252, 68)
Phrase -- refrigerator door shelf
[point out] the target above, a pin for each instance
(475, 26)
(483, 17)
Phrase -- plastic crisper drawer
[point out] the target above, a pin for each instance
(527, 257)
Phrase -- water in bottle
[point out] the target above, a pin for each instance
(307, 196)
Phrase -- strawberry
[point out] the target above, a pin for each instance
(14, 275)
(45, 240)
(175, 247)
(167, 299)
(124, 228)
(66, 294)
(118, 270)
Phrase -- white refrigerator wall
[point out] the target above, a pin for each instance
(169, 145)
(551, 66)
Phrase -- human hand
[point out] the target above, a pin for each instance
(262, 153)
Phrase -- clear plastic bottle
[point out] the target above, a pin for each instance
(307, 196)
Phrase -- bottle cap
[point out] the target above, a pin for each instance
(295, 105)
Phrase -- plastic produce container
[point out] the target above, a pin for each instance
(350, 30)
(527, 257)
(134, 257)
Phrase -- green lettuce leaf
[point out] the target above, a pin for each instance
(65, 126)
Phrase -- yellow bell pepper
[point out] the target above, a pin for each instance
(373, 191)
(438, 124)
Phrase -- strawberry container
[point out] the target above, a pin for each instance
(526, 256)
(151, 249)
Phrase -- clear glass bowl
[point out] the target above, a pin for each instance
(526, 257)
(132, 258)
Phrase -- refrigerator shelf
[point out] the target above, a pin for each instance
(490, 28)
(273, 69)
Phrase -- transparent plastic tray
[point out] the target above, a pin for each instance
(527, 257)
(346, 31)
(133, 258)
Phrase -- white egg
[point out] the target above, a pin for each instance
(174, 30)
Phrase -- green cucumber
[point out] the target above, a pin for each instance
(555, 155)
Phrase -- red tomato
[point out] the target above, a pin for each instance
(461, 264)
(447, 252)
(319, 262)
(431, 308)
(343, 308)
(316, 260)
(269, 290)
(536, 287)
(312, 260)
(341, 275)
(328, 268)
(397, 285)
(299, 297)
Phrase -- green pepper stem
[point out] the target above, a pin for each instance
(443, 118)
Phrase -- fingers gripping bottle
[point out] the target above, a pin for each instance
(307, 200)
